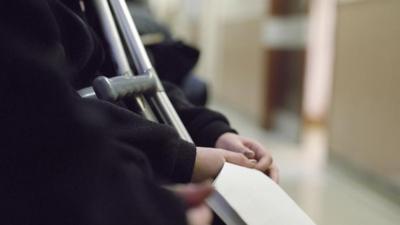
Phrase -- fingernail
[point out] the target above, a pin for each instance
(253, 161)
(249, 154)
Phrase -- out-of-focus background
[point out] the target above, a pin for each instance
(316, 81)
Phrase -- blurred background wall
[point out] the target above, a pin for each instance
(365, 116)
(229, 33)
(292, 65)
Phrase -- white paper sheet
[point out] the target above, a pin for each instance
(255, 198)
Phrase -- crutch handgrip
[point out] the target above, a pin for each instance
(112, 89)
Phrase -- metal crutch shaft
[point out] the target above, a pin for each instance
(118, 55)
(160, 101)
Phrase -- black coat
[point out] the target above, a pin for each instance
(67, 160)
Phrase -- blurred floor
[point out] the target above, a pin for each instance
(326, 192)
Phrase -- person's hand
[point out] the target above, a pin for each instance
(252, 150)
(209, 162)
(194, 195)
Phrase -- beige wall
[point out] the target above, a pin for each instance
(232, 53)
(239, 80)
(228, 32)
(365, 114)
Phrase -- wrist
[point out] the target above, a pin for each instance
(208, 163)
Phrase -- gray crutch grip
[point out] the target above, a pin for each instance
(112, 89)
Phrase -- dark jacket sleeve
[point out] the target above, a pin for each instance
(171, 158)
(204, 125)
(59, 163)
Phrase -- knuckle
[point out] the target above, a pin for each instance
(271, 160)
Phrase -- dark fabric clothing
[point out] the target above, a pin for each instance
(204, 125)
(145, 20)
(159, 143)
(67, 160)
(171, 158)
(173, 60)
(195, 89)
(61, 159)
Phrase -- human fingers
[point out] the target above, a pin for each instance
(233, 142)
(200, 215)
(265, 163)
(274, 173)
(255, 147)
(264, 157)
(238, 159)
(241, 148)
(193, 194)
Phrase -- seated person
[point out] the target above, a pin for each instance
(68, 160)
(207, 128)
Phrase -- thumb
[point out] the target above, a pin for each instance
(239, 159)
(241, 148)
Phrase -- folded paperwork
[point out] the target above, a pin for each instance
(246, 196)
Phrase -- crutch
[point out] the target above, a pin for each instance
(120, 33)
(144, 87)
